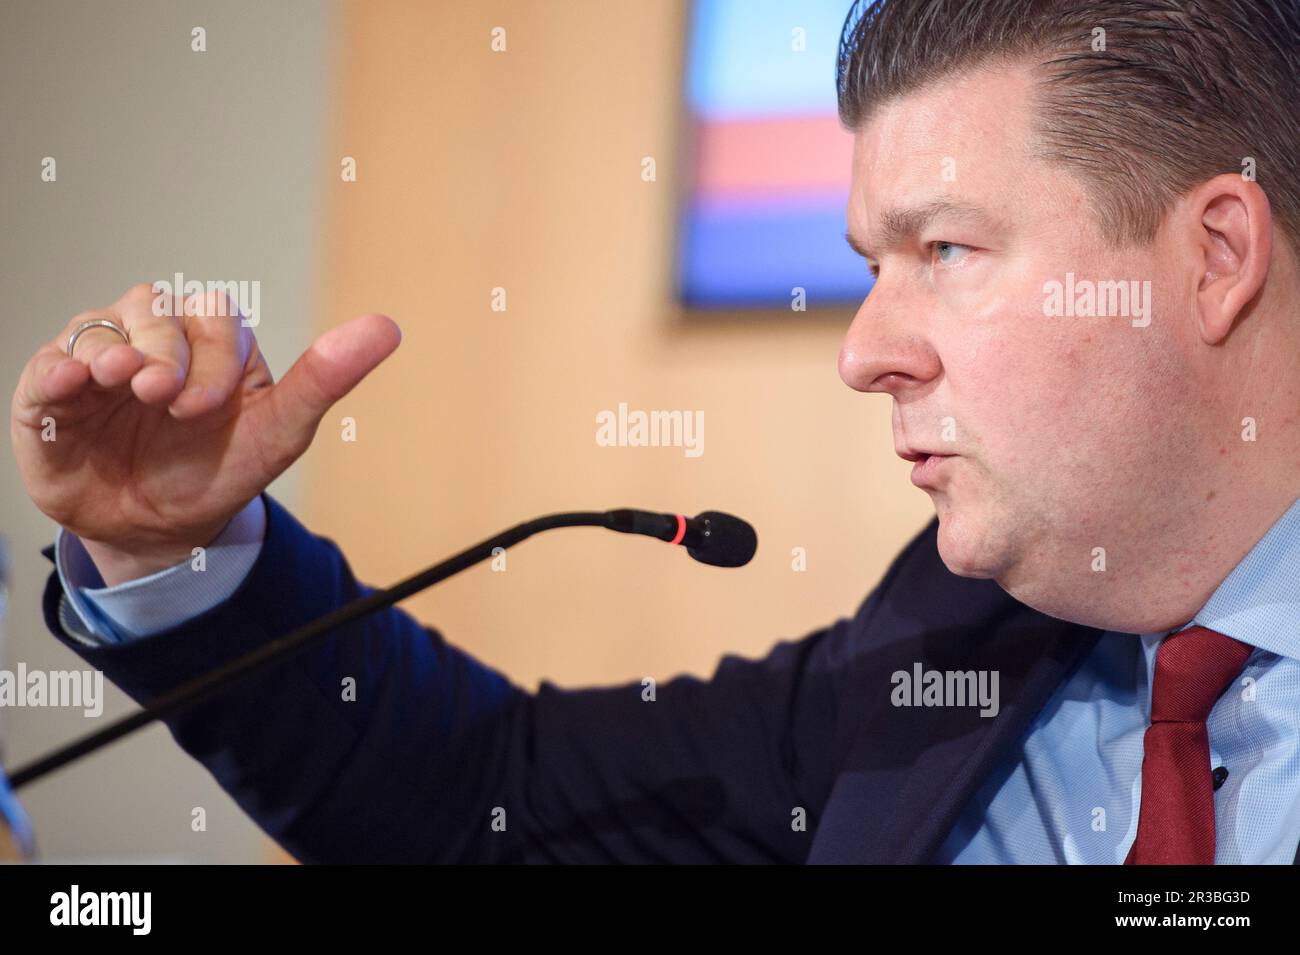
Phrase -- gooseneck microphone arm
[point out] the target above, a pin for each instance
(712, 538)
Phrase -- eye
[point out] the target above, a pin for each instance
(949, 253)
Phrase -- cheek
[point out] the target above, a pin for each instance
(1054, 405)
(1010, 377)
(1040, 446)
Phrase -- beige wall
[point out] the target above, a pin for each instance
(522, 170)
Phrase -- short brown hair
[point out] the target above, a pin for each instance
(1183, 90)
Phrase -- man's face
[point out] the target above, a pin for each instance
(1057, 429)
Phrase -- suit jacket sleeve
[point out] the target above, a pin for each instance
(440, 758)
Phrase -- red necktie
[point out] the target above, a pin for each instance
(1176, 819)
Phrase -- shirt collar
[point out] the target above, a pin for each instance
(1259, 602)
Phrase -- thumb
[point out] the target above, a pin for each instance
(333, 365)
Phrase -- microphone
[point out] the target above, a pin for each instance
(712, 537)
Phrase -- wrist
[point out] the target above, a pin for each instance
(118, 566)
(125, 560)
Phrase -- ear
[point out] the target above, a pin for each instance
(1232, 231)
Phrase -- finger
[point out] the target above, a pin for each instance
(50, 378)
(158, 335)
(116, 365)
(111, 361)
(219, 347)
(325, 372)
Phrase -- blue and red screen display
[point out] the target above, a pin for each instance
(769, 161)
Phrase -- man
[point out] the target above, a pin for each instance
(1083, 219)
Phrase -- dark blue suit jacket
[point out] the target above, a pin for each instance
(438, 746)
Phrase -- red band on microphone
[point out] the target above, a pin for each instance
(681, 529)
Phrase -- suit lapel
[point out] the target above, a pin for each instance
(911, 770)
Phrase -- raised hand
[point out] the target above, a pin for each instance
(147, 450)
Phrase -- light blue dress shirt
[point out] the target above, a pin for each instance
(1069, 794)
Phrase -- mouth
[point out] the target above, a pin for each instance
(926, 467)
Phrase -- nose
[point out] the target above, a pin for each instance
(886, 348)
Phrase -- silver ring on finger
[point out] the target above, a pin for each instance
(95, 323)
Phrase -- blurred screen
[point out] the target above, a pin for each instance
(769, 165)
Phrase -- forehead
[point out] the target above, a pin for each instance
(967, 136)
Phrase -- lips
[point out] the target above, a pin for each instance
(926, 467)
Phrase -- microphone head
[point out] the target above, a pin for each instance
(724, 541)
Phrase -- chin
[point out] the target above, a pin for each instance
(968, 548)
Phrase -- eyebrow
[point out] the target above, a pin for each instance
(902, 223)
